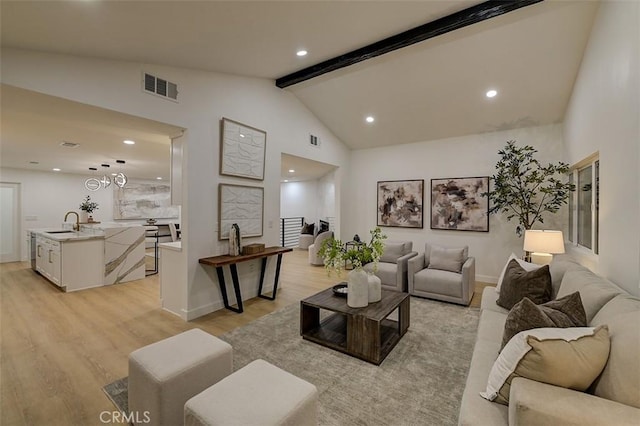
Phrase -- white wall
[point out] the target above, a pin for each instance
(204, 99)
(311, 199)
(604, 115)
(327, 196)
(299, 199)
(47, 197)
(467, 156)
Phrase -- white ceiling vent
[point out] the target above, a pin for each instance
(314, 141)
(160, 87)
(67, 144)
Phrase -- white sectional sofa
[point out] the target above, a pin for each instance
(614, 398)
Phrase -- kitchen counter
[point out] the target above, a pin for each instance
(99, 254)
(175, 246)
(68, 234)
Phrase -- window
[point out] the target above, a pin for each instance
(584, 204)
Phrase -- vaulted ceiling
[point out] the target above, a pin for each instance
(430, 90)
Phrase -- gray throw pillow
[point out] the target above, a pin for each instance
(518, 284)
(307, 228)
(446, 259)
(561, 313)
(392, 252)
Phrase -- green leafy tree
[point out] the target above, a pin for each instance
(525, 189)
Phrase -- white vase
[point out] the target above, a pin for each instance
(358, 288)
(84, 216)
(375, 288)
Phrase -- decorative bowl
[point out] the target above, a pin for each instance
(151, 221)
(340, 290)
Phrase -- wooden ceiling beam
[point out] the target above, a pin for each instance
(461, 19)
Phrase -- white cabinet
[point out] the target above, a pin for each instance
(72, 265)
(53, 259)
(48, 259)
(82, 264)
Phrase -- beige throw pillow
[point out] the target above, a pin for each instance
(446, 259)
(568, 357)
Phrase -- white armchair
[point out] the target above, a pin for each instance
(392, 267)
(308, 234)
(314, 248)
(443, 273)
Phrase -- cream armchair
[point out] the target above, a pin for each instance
(308, 235)
(443, 273)
(392, 267)
(314, 248)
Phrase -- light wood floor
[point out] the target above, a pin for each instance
(59, 349)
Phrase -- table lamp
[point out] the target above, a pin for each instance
(543, 245)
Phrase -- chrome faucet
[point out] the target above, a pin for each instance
(76, 227)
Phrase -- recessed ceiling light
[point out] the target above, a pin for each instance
(241, 135)
(56, 169)
(491, 93)
(291, 171)
(129, 142)
(286, 180)
(302, 52)
(159, 178)
(370, 119)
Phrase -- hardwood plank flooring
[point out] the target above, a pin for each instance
(59, 349)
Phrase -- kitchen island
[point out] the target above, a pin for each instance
(97, 255)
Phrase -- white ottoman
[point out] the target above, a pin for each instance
(257, 394)
(165, 374)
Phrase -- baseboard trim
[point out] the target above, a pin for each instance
(487, 279)
(191, 314)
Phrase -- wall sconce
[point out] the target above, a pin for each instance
(543, 245)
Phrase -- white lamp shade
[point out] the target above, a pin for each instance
(543, 241)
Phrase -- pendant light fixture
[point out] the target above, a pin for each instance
(120, 179)
(106, 180)
(92, 184)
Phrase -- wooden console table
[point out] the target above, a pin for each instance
(220, 261)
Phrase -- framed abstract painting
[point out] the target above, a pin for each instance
(400, 203)
(457, 204)
(242, 205)
(242, 149)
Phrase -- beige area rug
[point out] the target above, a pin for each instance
(419, 383)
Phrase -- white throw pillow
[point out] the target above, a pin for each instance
(525, 265)
(570, 357)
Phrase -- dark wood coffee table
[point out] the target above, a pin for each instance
(364, 333)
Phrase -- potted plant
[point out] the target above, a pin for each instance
(524, 189)
(362, 287)
(87, 207)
